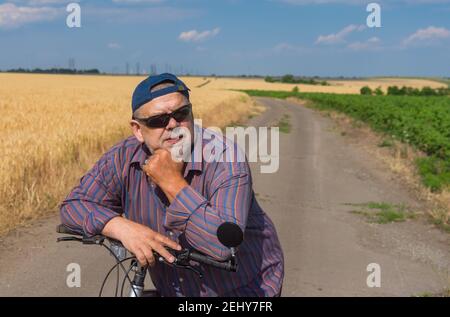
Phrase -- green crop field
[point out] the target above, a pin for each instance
(423, 122)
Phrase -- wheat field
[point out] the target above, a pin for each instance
(335, 86)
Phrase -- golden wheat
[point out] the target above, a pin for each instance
(336, 86)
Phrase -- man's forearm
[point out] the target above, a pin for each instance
(113, 228)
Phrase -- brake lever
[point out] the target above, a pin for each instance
(181, 261)
(98, 239)
(60, 239)
(188, 267)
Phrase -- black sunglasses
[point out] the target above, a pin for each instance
(162, 120)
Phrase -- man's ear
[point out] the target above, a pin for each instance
(136, 128)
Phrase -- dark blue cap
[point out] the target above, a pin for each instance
(142, 94)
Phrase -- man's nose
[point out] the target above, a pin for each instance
(172, 124)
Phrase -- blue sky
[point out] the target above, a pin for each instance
(231, 37)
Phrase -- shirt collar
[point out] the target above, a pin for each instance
(140, 154)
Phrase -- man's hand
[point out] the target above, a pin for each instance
(166, 173)
(140, 240)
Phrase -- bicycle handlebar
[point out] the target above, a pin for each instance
(227, 266)
(61, 228)
(181, 256)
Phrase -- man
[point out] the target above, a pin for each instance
(173, 203)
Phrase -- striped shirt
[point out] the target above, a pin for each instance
(217, 192)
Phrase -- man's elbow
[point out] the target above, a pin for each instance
(64, 214)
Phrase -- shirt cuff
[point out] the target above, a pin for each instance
(95, 222)
(187, 201)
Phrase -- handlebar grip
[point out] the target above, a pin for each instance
(208, 261)
(62, 228)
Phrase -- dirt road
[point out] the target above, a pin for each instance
(327, 248)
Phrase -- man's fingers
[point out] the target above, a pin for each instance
(163, 252)
(148, 253)
(160, 151)
(141, 258)
(170, 243)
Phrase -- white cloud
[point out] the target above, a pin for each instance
(370, 44)
(427, 36)
(195, 36)
(287, 48)
(12, 16)
(126, 13)
(114, 45)
(339, 37)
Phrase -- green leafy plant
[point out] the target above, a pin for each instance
(419, 121)
(366, 90)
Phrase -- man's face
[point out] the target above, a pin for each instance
(163, 138)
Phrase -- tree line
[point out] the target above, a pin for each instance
(406, 91)
(54, 71)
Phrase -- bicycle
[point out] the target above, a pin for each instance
(229, 234)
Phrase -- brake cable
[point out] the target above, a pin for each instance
(110, 271)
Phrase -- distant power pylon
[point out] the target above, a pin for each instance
(72, 63)
(153, 70)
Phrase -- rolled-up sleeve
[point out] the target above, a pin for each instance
(96, 200)
(199, 216)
